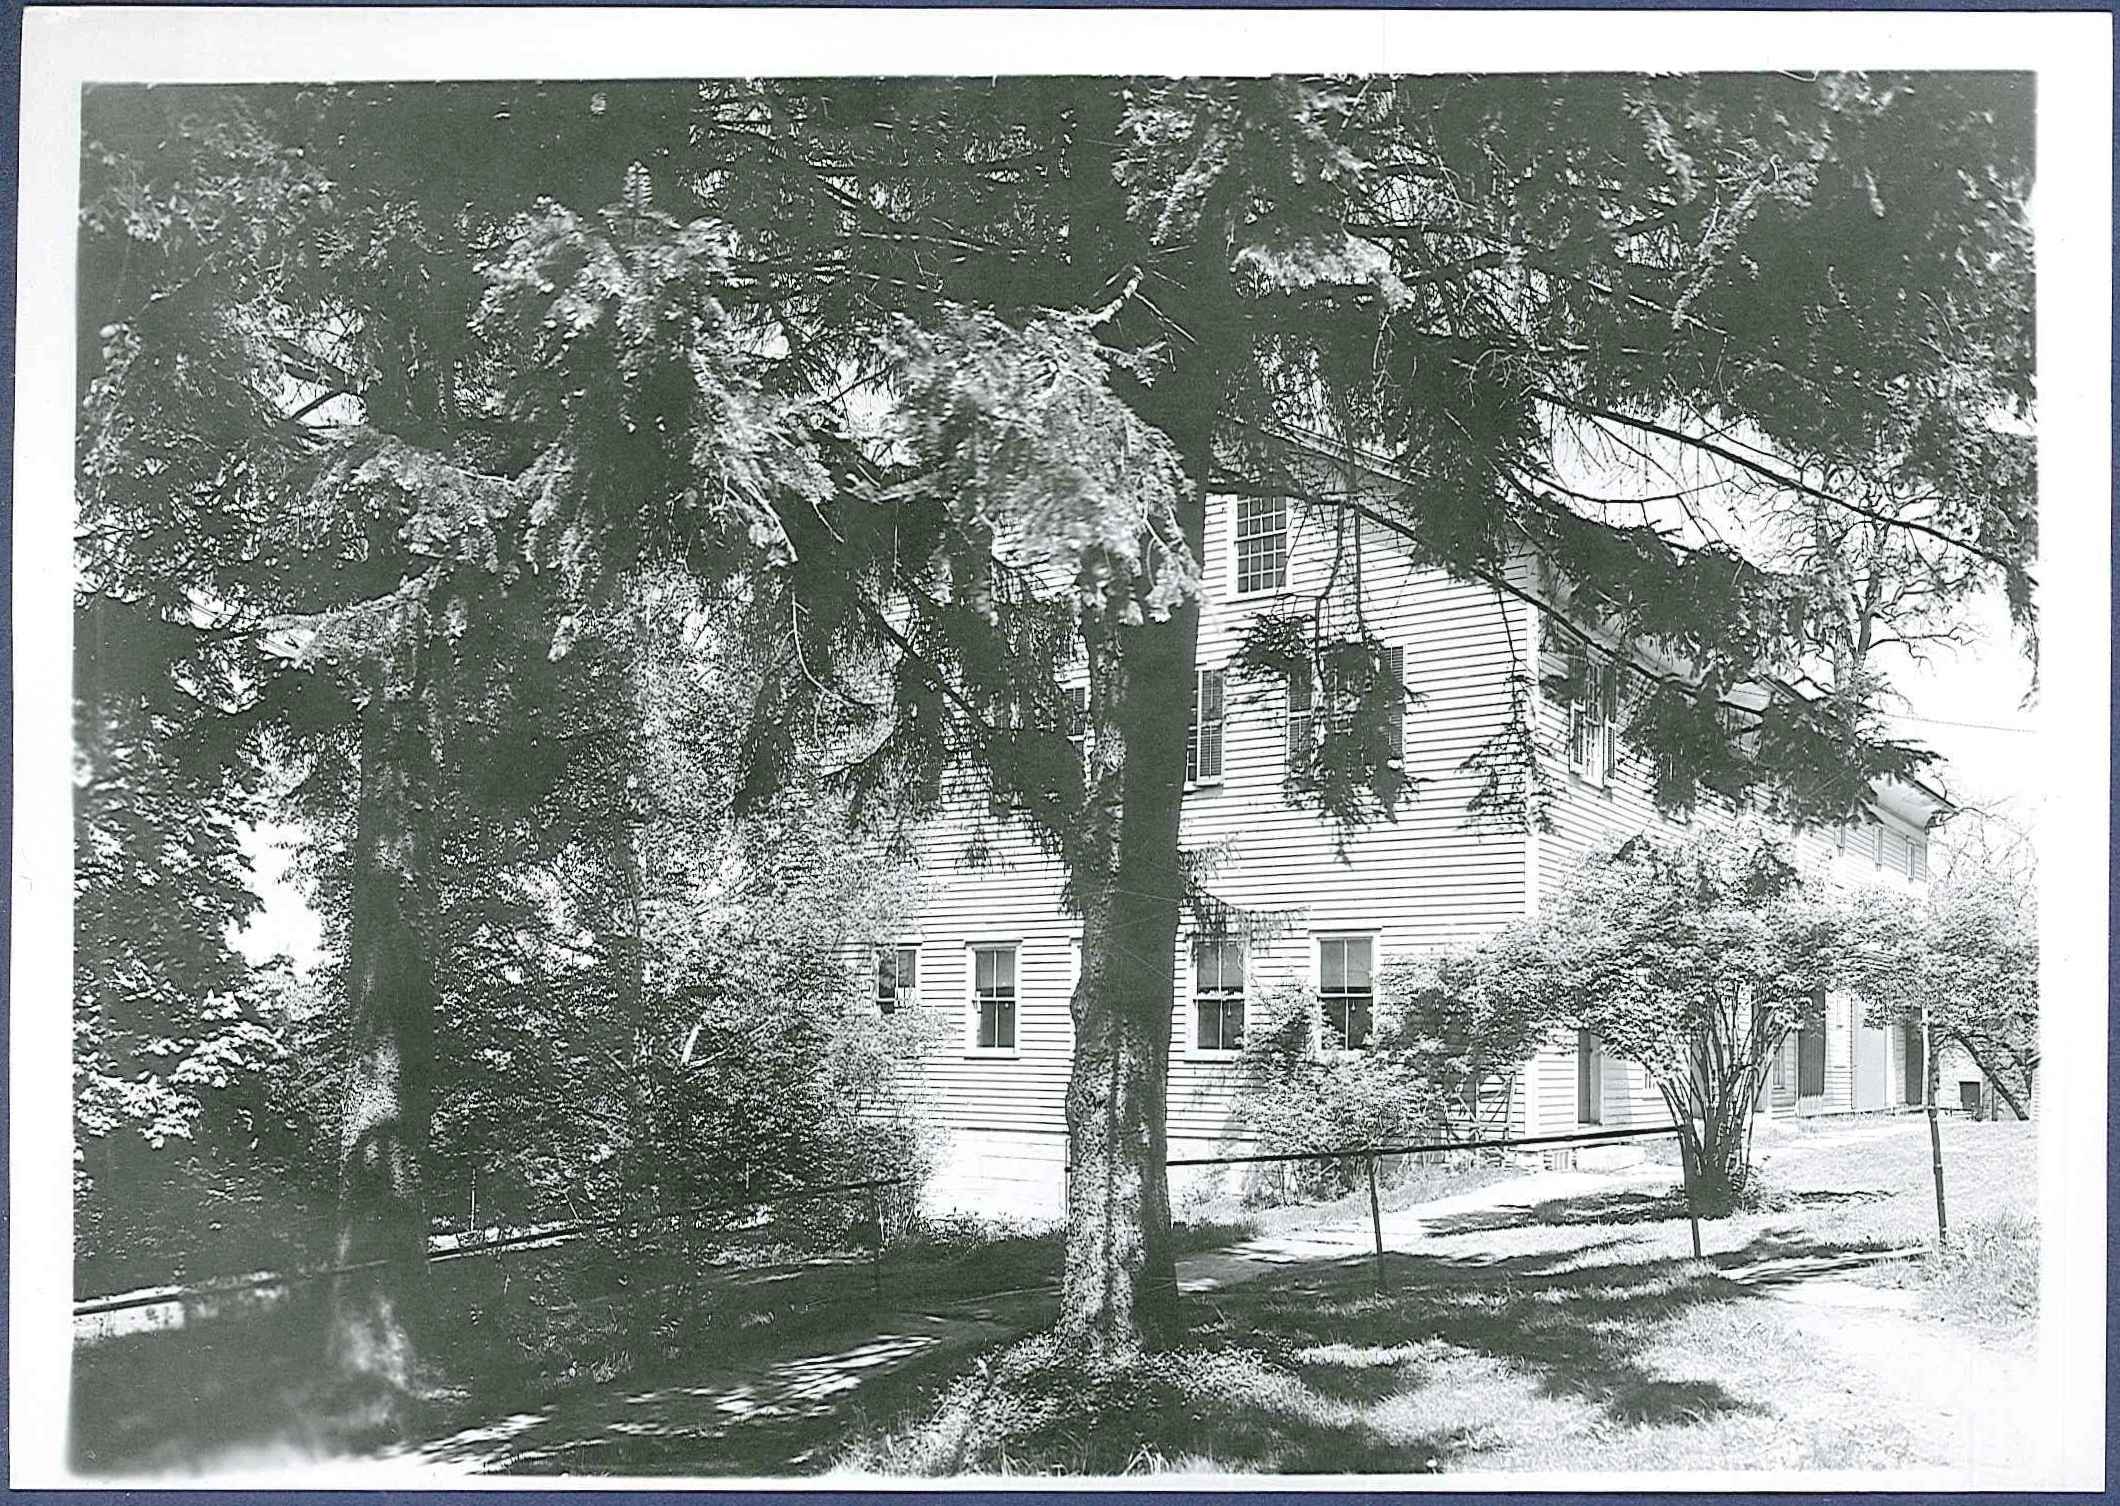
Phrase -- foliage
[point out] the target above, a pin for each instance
(1964, 954)
(1451, 1030)
(387, 412)
(1692, 958)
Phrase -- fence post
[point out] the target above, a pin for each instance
(1376, 1220)
(1685, 1171)
(1929, 1072)
(876, 1262)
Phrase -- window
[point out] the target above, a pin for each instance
(1877, 845)
(994, 997)
(1395, 679)
(1592, 715)
(897, 977)
(1218, 993)
(1262, 544)
(1203, 739)
(1344, 989)
(1338, 711)
(1078, 716)
(1302, 701)
(1741, 726)
(1589, 1079)
(1917, 859)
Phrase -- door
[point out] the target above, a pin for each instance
(1873, 1075)
(1910, 1053)
(1811, 1064)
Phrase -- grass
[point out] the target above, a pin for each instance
(1568, 1335)
(1576, 1333)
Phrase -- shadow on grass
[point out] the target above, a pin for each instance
(1623, 1208)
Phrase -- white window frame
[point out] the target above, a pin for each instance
(1236, 571)
(1196, 727)
(903, 998)
(1191, 940)
(1327, 1043)
(972, 949)
(1593, 742)
(1077, 717)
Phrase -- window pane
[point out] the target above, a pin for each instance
(908, 969)
(1210, 695)
(983, 977)
(1005, 969)
(1005, 1024)
(1332, 965)
(1357, 963)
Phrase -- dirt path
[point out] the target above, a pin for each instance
(1976, 1405)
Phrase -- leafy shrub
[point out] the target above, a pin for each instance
(1440, 1066)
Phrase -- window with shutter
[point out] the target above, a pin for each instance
(1395, 673)
(1300, 705)
(1203, 738)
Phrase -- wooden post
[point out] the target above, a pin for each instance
(1376, 1221)
(1685, 1172)
(1928, 1069)
(876, 1263)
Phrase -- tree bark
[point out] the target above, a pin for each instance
(1119, 1287)
(376, 1311)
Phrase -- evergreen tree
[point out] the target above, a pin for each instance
(936, 377)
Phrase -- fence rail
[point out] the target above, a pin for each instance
(541, 1237)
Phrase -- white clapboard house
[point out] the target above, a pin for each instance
(991, 956)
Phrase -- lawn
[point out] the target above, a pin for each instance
(1576, 1333)
(1529, 1333)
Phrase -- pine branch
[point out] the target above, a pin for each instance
(1778, 477)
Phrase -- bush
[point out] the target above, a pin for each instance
(1292, 1097)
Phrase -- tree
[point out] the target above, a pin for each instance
(1694, 959)
(937, 376)
(1963, 958)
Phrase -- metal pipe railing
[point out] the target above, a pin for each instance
(542, 1237)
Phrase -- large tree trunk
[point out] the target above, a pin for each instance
(376, 1311)
(1120, 1282)
(1125, 872)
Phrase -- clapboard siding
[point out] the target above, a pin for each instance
(1431, 876)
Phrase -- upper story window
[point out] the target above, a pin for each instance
(1078, 716)
(897, 977)
(1593, 716)
(994, 998)
(1218, 993)
(1305, 714)
(1203, 738)
(1261, 544)
(1345, 989)
(1917, 858)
